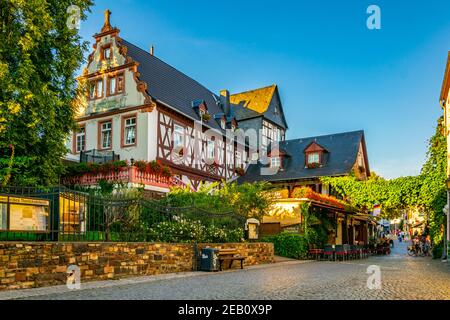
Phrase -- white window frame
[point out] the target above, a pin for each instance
(106, 131)
(210, 149)
(93, 90)
(99, 91)
(80, 140)
(129, 125)
(105, 50)
(112, 85)
(312, 157)
(275, 162)
(178, 136)
(238, 159)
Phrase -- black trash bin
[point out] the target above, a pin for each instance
(209, 259)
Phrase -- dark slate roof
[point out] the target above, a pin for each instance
(342, 152)
(244, 113)
(172, 87)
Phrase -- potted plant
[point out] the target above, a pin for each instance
(313, 165)
(155, 167)
(206, 117)
(166, 172)
(141, 165)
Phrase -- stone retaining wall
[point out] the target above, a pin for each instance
(254, 253)
(30, 265)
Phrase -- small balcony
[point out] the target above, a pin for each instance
(90, 174)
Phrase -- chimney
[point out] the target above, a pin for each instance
(152, 50)
(225, 97)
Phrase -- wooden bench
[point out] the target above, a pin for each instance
(230, 255)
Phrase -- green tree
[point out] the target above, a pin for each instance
(39, 54)
(251, 200)
(247, 199)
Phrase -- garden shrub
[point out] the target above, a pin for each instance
(184, 230)
(289, 245)
(438, 250)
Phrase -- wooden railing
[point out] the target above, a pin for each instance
(128, 175)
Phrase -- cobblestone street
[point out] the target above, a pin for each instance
(402, 277)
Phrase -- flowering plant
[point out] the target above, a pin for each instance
(306, 192)
(185, 230)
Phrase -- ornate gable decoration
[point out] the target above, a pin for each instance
(108, 68)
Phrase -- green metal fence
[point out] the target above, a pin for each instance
(61, 214)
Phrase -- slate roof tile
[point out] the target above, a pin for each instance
(339, 160)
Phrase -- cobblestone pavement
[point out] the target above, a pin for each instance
(402, 277)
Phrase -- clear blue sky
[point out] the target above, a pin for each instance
(333, 73)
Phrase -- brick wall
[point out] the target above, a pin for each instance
(30, 265)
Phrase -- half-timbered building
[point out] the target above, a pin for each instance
(137, 107)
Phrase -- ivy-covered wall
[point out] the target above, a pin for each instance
(426, 192)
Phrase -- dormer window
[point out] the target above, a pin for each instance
(277, 156)
(314, 158)
(202, 110)
(314, 155)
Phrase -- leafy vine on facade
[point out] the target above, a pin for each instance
(425, 192)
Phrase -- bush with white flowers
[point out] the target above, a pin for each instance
(184, 230)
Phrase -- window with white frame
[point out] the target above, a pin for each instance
(313, 158)
(112, 85)
(115, 84)
(238, 159)
(81, 140)
(92, 90)
(130, 131)
(106, 135)
(270, 133)
(99, 88)
(275, 162)
(107, 53)
(178, 136)
(210, 150)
